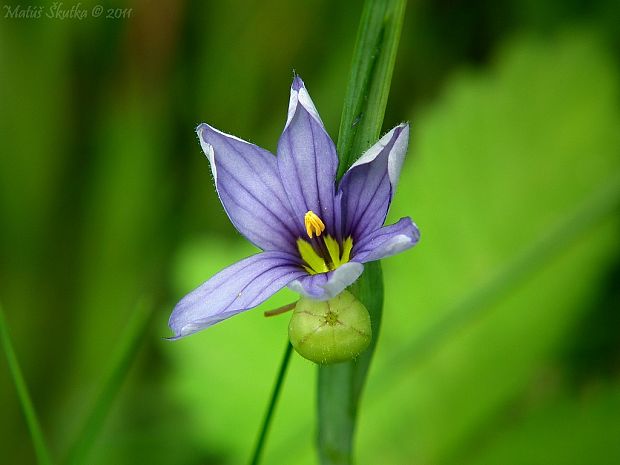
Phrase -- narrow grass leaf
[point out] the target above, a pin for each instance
(128, 349)
(40, 448)
(262, 437)
(340, 386)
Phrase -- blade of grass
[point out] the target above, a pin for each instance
(340, 386)
(128, 349)
(40, 448)
(260, 443)
(371, 75)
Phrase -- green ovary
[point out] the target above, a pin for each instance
(332, 257)
(330, 331)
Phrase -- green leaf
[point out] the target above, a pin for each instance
(40, 447)
(340, 386)
(371, 75)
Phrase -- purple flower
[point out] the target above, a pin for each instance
(314, 235)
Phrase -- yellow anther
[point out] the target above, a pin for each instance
(313, 223)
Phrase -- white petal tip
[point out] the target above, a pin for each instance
(300, 95)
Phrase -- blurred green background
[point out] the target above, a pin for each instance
(501, 334)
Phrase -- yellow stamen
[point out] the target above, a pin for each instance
(347, 246)
(313, 223)
(333, 249)
(316, 263)
(329, 258)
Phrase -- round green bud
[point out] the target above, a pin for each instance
(330, 331)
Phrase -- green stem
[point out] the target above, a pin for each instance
(40, 448)
(340, 386)
(127, 352)
(371, 75)
(260, 443)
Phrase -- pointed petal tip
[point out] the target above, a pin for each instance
(300, 99)
(297, 84)
(206, 131)
(207, 148)
(397, 131)
(387, 241)
(176, 324)
(183, 325)
(200, 133)
(184, 331)
(416, 232)
(234, 290)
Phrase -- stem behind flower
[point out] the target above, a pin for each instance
(340, 386)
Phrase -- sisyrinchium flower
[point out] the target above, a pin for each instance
(315, 234)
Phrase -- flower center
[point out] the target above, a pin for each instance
(322, 254)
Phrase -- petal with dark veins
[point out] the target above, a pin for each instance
(386, 241)
(368, 187)
(307, 160)
(249, 186)
(233, 290)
